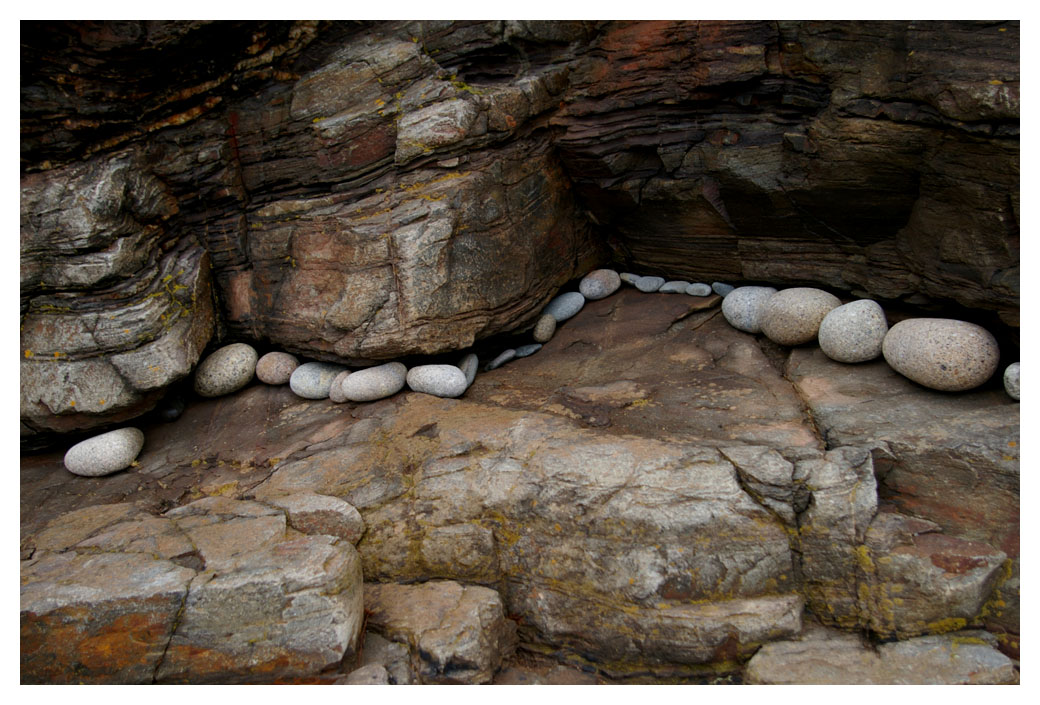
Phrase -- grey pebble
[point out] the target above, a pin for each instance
(649, 285)
(853, 332)
(375, 383)
(941, 353)
(525, 350)
(105, 454)
(722, 289)
(698, 290)
(793, 316)
(599, 284)
(336, 390)
(313, 380)
(629, 278)
(674, 287)
(276, 367)
(226, 370)
(743, 307)
(503, 357)
(439, 380)
(565, 305)
(1011, 380)
(544, 328)
(469, 363)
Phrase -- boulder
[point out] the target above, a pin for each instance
(943, 354)
(793, 316)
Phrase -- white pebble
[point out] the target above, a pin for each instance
(853, 332)
(105, 454)
(565, 305)
(313, 380)
(374, 383)
(439, 380)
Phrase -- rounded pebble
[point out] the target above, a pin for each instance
(698, 290)
(743, 307)
(525, 350)
(599, 284)
(629, 278)
(313, 380)
(793, 316)
(503, 357)
(853, 332)
(469, 363)
(336, 390)
(565, 305)
(544, 328)
(226, 370)
(722, 289)
(649, 285)
(942, 353)
(276, 367)
(674, 287)
(375, 382)
(1011, 380)
(439, 380)
(105, 454)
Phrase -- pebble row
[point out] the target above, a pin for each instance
(942, 354)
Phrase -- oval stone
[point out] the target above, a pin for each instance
(565, 305)
(698, 289)
(722, 289)
(742, 307)
(599, 284)
(942, 353)
(793, 316)
(674, 287)
(105, 454)
(525, 350)
(336, 390)
(503, 357)
(853, 332)
(276, 367)
(438, 380)
(1011, 380)
(649, 285)
(629, 278)
(313, 380)
(544, 328)
(375, 382)
(226, 370)
(469, 364)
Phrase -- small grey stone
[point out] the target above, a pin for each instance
(439, 380)
(313, 380)
(743, 307)
(599, 284)
(674, 287)
(276, 367)
(1011, 380)
(544, 328)
(941, 353)
(698, 290)
(853, 332)
(793, 316)
(372, 674)
(565, 305)
(721, 289)
(503, 357)
(649, 285)
(336, 390)
(629, 278)
(525, 350)
(375, 382)
(105, 454)
(469, 363)
(226, 370)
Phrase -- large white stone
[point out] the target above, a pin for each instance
(375, 382)
(853, 332)
(742, 307)
(226, 370)
(105, 454)
(793, 316)
(439, 380)
(313, 380)
(942, 353)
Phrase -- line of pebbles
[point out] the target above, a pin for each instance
(942, 354)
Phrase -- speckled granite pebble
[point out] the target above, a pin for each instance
(544, 328)
(105, 454)
(336, 389)
(525, 350)
(226, 370)
(649, 285)
(565, 305)
(276, 367)
(599, 284)
(722, 289)
(1011, 380)
(375, 383)
(792, 316)
(469, 363)
(941, 353)
(853, 332)
(742, 307)
(697, 289)
(439, 380)
(313, 380)
(674, 287)
(503, 357)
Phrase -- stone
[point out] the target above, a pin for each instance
(565, 305)
(793, 316)
(336, 393)
(721, 288)
(674, 287)
(698, 289)
(649, 285)
(276, 367)
(375, 383)
(312, 513)
(502, 358)
(853, 332)
(941, 353)
(1011, 380)
(742, 307)
(629, 278)
(544, 328)
(372, 674)
(439, 380)
(526, 350)
(105, 454)
(458, 633)
(599, 284)
(226, 370)
(391, 655)
(469, 364)
(313, 380)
